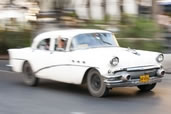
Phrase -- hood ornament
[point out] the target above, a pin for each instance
(133, 51)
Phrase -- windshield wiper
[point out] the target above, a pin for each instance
(105, 41)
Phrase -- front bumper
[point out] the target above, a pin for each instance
(131, 76)
(130, 83)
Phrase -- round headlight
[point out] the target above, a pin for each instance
(160, 58)
(114, 61)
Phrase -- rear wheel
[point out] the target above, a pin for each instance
(29, 77)
(146, 88)
(95, 84)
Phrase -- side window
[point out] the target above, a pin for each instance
(60, 43)
(44, 44)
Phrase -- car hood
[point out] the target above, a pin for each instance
(127, 57)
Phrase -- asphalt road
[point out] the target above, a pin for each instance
(58, 98)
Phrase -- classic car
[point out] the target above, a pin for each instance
(87, 56)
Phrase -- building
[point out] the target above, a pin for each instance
(92, 9)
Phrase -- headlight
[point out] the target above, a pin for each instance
(160, 58)
(114, 61)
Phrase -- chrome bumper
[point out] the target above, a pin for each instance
(131, 76)
(9, 67)
(130, 83)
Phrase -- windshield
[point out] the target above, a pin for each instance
(93, 40)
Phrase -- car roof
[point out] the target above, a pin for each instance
(68, 33)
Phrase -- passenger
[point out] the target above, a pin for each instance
(61, 43)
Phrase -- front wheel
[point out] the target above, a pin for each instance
(147, 87)
(29, 77)
(95, 84)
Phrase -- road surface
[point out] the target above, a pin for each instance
(58, 98)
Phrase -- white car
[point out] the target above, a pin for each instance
(87, 56)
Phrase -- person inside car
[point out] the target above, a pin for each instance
(61, 43)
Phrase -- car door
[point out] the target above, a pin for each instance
(62, 67)
(50, 63)
(67, 67)
(59, 62)
(41, 56)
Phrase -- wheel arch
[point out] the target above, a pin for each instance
(26, 61)
(85, 74)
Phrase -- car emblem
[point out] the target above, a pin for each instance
(133, 51)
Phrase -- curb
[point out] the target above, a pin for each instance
(168, 72)
(4, 57)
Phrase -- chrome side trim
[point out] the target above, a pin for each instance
(18, 59)
(61, 66)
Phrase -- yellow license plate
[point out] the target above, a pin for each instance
(144, 78)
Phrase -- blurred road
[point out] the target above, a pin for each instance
(58, 98)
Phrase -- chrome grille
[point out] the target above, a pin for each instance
(136, 74)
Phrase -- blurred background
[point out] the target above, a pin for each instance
(139, 24)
